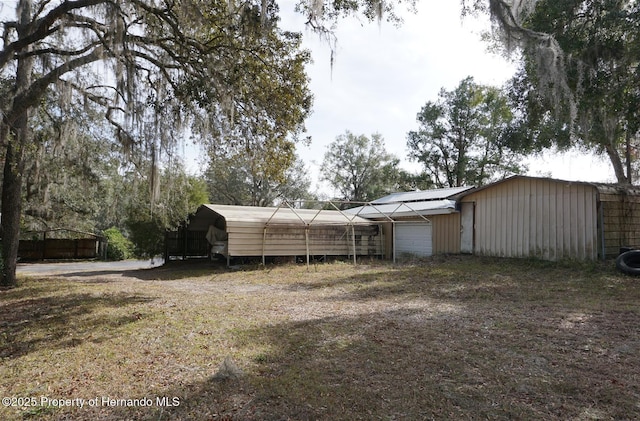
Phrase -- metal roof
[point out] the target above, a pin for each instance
(283, 215)
(419, 196)
(600, 187)
(397, 210)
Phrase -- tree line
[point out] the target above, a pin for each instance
(95, 96)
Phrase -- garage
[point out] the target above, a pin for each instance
(413, 239)
(418, 223)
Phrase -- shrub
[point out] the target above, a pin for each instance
(119, 247)
(147, 237)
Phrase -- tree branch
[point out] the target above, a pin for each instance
(36, 90)
(42, 27)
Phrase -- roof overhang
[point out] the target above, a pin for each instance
(421, 195)
(394, 211)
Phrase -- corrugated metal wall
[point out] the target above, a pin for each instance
(535, 217)
(446, 233)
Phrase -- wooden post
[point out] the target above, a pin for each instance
(44, 245)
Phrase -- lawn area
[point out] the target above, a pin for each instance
(445, 338)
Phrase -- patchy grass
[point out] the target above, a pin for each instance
(445, 338)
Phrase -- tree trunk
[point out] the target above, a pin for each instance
(618, 167)
(11, 209)
(16, 135)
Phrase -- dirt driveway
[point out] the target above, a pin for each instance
(85, 268)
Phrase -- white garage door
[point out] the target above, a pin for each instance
(413, 238)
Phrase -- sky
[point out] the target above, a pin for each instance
(382, 75)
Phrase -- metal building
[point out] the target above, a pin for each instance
(549, 219)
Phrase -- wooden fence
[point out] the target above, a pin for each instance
(41, 247)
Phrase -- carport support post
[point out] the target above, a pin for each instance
(353, 242)
(306, 240)
(393, 226)
(264, 239)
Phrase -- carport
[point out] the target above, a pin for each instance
(247, 231)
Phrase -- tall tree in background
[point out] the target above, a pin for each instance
(578, 84)
(161, 64)
(459, 139)
(360, 168)
(256, 178)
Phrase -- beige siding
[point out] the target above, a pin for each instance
(533, 217)
(446, 233)
(247, 240)
(290, 232)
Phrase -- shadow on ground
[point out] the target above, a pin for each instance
(504, 354)
(27, 323)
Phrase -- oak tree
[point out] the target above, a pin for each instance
(578, 82)
(459, 141)
(152, 67)
(360, 168)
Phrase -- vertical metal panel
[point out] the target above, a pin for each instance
(544, 218)
(537, 245)
(553, 228)
(446, 233)
(527, 222)
(560, 223)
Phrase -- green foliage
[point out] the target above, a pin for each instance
(459, 139)
(409, 182)
(147, 235)
(323, 16)
(223, 69)
(118, 246)
(360, 168)
(241, 178)
(578, 81)
(66, 168)
(179, 194)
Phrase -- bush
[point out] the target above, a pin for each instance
(147, 237)
(118, 246)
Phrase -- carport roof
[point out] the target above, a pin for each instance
(282, 215)
(399, 210)
(419, 196)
